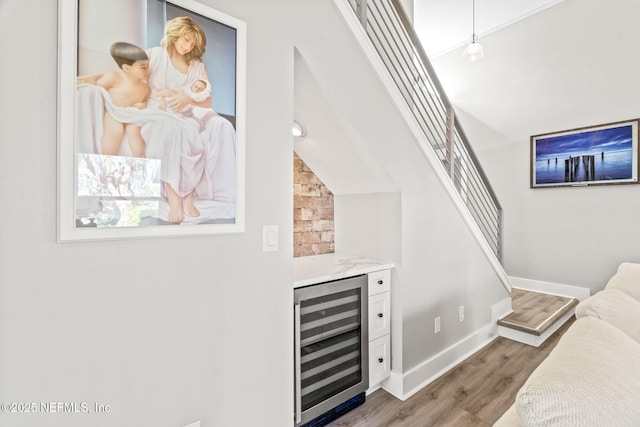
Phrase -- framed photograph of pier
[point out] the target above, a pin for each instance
(151, 119)
(594, 155)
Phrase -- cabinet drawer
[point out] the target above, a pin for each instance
(379, 315)
(379, 360)
(379, 281)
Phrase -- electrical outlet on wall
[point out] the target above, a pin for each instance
(436, 325)
(461, 313)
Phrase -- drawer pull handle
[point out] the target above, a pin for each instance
(380, 282)
(380, 360)
(380, 315)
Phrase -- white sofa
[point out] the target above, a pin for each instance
(592, 376)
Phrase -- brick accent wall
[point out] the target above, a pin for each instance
(313, 228)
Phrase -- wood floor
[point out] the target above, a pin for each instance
(473, 394)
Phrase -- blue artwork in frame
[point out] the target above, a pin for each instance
(603, 154)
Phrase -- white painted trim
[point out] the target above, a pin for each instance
(501, 309)
(372, 389)
(531, 339)
(393, 385)
(551, 288)
(405, 112)
(403, 386)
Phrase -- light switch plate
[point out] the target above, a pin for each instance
(269, 238)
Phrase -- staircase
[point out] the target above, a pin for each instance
(389, 41)
(535, 316)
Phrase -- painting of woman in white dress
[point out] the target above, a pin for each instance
(178, 160)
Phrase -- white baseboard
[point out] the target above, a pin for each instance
(403, 386)
(393, 385)
(551, 288)
(406, 385)
(372, 389)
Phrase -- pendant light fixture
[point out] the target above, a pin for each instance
(474, 52)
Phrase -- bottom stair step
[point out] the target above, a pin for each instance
(535, 316)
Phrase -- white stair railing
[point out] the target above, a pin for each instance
(392, 36)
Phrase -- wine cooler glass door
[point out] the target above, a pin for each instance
(331, 351)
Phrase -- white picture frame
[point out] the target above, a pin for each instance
(122, 196)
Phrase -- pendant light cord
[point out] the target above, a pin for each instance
(474, 51)
(473, 18)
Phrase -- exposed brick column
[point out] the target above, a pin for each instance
(313, 228)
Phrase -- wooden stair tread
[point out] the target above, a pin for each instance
(535, 312)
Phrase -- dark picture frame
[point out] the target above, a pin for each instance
(198, 150)
(594, 155)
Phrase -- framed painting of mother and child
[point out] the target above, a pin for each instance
(151, 113)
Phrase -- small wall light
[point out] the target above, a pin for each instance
(297, 129)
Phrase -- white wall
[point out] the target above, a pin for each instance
(573, 65)
(369, 224)
(332, 147)
(439, 265)
(167, 330)
(442, 267)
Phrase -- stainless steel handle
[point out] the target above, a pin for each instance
(298, 363)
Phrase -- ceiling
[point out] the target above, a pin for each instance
(443, 25)
(563, 68)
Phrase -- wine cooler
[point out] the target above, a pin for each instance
(331, 350)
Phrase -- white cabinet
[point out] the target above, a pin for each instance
(379, 315)
(379, 360)
(379, 283)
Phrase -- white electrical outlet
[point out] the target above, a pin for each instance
(436, 325)
(461, 313)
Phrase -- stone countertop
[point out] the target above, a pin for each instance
(311, 270)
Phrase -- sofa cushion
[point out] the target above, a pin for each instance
(614, 307)
(591, 378)
(509, 418)
(626, 279)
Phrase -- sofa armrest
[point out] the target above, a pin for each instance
(626, 279)
(614, 307)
